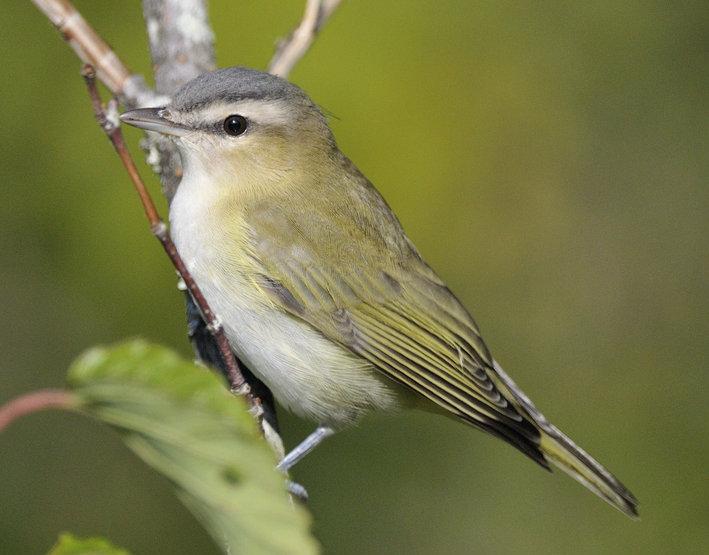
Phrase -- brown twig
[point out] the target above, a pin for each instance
(92, 49)
(134, 93)
(34, 402)
(291, 49)
(181, 45)
(180, 53)
(107, 119)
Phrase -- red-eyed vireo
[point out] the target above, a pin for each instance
(320, 291)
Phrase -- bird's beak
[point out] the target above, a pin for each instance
(154, 119)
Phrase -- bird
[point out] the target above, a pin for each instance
(319, 290)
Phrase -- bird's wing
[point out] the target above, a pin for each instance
(392, 311)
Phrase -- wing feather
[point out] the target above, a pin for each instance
(436, 377)
(382, 302)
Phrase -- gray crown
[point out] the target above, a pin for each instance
(233, 84)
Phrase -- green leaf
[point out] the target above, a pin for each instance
(180, 419)
(71, 545)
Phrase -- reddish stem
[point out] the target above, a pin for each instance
(34, 402)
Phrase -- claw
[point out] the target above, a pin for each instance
(297, 491)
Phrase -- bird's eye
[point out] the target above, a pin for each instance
(235, 125)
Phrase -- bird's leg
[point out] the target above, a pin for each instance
(305, 447)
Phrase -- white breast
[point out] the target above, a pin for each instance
(308, 374)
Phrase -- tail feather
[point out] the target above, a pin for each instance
(569, 457)
(564, 454)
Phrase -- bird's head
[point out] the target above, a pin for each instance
(242, 123)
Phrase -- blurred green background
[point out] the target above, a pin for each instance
(549, 160)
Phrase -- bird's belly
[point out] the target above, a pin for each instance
(308, 374)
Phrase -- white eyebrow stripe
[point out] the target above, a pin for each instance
(268, 112)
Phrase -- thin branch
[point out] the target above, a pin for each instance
(181, 48)
(34, 402)
(290, 50)
(185, 16)
(92, 49)
(108, 122)
(181, 44)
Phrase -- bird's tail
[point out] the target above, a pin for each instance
(569, 457)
